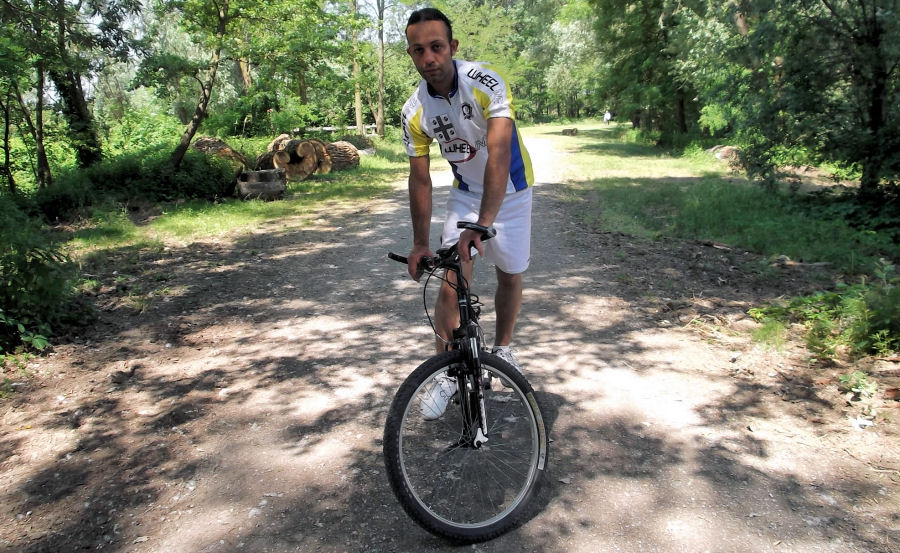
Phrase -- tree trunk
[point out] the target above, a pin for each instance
(75, 108)
(11, 182)
(680, 117)
(874, 158)
(200, 112)
(379, 114)
(42, 173)
(357, 93)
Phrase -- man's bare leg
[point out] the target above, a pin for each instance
(508, 302)
(446, 312)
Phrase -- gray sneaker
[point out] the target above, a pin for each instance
(507, 354)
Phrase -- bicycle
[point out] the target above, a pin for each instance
(469, 473)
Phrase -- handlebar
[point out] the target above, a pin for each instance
(446, 254)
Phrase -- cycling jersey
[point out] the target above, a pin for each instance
(460, 126)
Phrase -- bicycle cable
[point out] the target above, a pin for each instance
(443, 278)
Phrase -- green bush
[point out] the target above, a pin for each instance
(145, 176)
(35, 281)
(863, 317)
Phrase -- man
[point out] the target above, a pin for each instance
(467, 108)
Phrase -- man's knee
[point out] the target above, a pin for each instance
(508, 280)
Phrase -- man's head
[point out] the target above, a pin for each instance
(431, 46)
(430, 14)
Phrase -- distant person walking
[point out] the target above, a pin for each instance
(607, 117)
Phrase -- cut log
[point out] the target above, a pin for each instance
(343, 155)
(278, 143)
(264, 185)
(265, 161)
(323, 160)
(281, 159)
(302, 160)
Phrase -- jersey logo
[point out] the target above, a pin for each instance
(443, 128)
(458, 151)
(466, 110)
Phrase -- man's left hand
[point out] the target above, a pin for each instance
(467, 240)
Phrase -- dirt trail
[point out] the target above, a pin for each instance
(245, 413)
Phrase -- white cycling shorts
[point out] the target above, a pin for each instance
(510, 250)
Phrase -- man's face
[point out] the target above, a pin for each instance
(432, 53)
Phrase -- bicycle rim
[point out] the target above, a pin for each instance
(453, 488)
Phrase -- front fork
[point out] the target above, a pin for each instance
(474, 414)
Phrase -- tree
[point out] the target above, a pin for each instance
(635, 39)
(23, 48)
(571, 75)
(816, 74)
(78, 32)
(209, 20)
(357, 92)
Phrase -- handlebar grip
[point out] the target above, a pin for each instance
(395, 257)
(486, 232)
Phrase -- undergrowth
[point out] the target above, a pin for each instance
(863, 317)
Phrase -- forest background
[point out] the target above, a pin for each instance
(101, 100)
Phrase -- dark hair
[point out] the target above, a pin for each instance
(430, 14)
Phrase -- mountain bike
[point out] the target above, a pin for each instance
(465, 445)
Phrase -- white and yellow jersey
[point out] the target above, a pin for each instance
(460, 126)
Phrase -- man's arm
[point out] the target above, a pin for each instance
(496, 175)
(419, 209)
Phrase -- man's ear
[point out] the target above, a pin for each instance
(454, 45)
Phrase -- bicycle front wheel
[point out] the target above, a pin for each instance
(445, 480)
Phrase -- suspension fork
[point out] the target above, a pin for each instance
(470, 379)
(468, 336)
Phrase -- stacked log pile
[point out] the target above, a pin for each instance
(285, 159)
(302, 158)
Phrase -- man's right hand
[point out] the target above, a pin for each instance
(414, 258)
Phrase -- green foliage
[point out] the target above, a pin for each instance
(858, 385)
(260, 114)
(35, 281)
(144, 176)
(864, 317)
(139, 130)
(794, 80)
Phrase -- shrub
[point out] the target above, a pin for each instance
(35, 281)
(144, 176)
(863, 317)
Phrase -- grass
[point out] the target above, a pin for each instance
(186, 222)
(639, 189)
(616, 183)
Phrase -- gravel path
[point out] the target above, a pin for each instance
(245, 414)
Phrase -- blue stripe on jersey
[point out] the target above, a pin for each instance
(516, 163)
(460, 183)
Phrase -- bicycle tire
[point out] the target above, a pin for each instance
(466, 494)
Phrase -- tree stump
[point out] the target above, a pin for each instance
(269, 184)
(569, 132)
(343, 155)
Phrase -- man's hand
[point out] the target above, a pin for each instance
(414, 258)
(468, 239)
